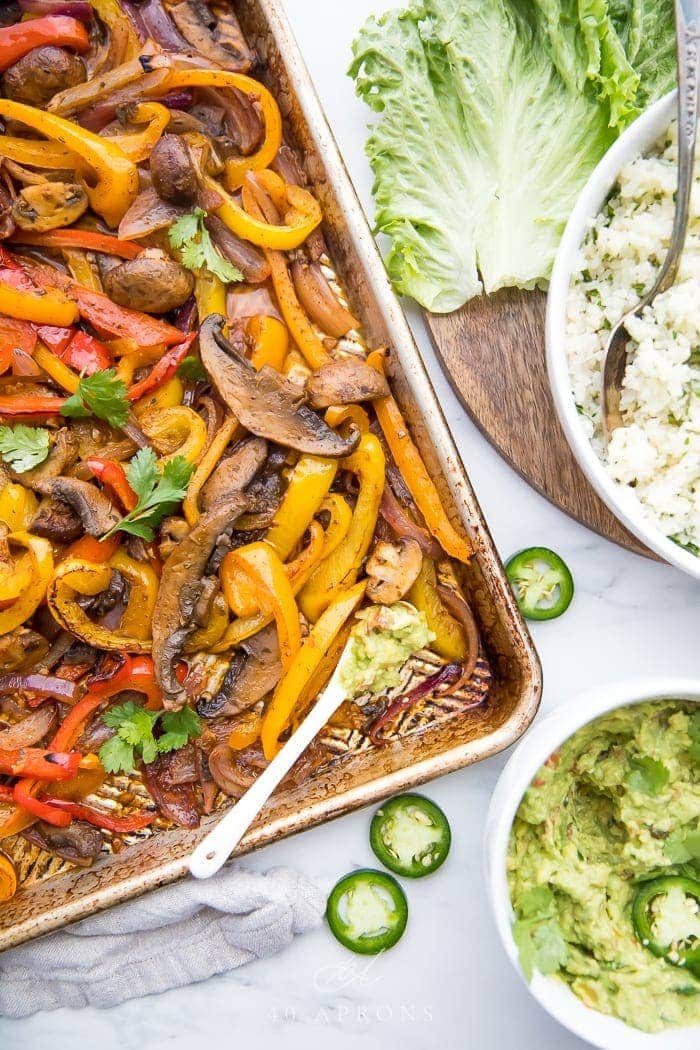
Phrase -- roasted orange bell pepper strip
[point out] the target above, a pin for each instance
(41, 555)
(87, 548)
(238, 589)
(205, 467)
(267, 574)
(308, 486)
(90, 240)
(8, 879)
(316, 644)
(237, 167)
(414, 472)
(246, 731)
(270, 341)
(117, 179)
(19, 39)
(75, 576)
(341, 568)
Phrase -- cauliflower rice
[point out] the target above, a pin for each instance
(655, 456)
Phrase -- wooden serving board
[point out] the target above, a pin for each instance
(492, 350)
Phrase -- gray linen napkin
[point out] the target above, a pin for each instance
(168, 938)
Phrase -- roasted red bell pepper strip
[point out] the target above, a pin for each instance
(55, 338)
(111, 473)
(117, 322)
(91, 240)
(7, 794)
(162, 370)
(39, 405)
(36, 762)
(15, 335)
(23, 796)
(18, 40)
(119, 825)
(86, 354)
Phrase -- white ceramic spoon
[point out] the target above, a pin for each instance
(215, 849)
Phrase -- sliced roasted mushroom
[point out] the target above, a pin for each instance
(152, 282)
(56, 521)
(392, 568)
(79, 843)
(253, 672)
(92, 506)
(182, 581)
(216, 36)
(265, 402)
(345, 382)
(235, 472)
(41, 74)
(60, 459)
(174, 177)
(49, 205)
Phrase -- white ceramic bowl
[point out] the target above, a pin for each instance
(638, 138)
(599, 1029)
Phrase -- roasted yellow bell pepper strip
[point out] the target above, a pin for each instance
(241, 594)
(54, 367)
(133, 357)
(76, 576)
(337, 415)
(124, 39)
(82, 269)
(137, 145)
(169, 395)
(205, 468)
(40, 306)
(270, 341)
(311, 480)
(136, 618)
(41, 556)
(303, 214)
(210, 295)
(203, 639)
(340, 518)
(414, 472)
(39, 154)
(177, 431)
(246, 730)
(267, 574)
(237, 167)
(117, 177)
(449, 637)
(17, 506)
(15, 573)
(291, 686)
(341, 568)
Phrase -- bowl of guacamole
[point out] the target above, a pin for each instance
(593, 863)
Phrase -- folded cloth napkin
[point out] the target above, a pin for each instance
(168, 938)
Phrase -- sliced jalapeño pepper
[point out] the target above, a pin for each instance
(367, 911)
(666, 920)
(410, 835)
(542, 583)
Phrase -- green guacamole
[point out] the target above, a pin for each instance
(618, 804)
(382, 643)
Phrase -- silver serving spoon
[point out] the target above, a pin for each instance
(615, 357)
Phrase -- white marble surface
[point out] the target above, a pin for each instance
(447, 982)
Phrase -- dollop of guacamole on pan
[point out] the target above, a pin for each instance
(618, 804)
(381, 644)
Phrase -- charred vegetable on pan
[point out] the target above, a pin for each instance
(204, 475)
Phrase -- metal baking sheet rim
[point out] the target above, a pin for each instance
(84, 902)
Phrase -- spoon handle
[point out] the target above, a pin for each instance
(688, 49)
(213, 851)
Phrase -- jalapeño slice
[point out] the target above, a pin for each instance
(541, 582)
(410, 835)
(666, 920)
(367, 911)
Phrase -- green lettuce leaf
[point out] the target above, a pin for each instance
(491, 116)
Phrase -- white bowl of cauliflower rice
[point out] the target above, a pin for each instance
(614, 242)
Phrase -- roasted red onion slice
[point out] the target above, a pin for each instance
(448, 675)
(394, 515)
(79, 9)
(42, 684)
(456, 604)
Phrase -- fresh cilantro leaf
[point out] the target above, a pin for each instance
(158, 492)
(22, 447)
(101, 395)
(179, 727)
(192, 368)
(190, 236)
(116, 755)
(694, 733)
(683, 845)
(647, 775)
(135, 737)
